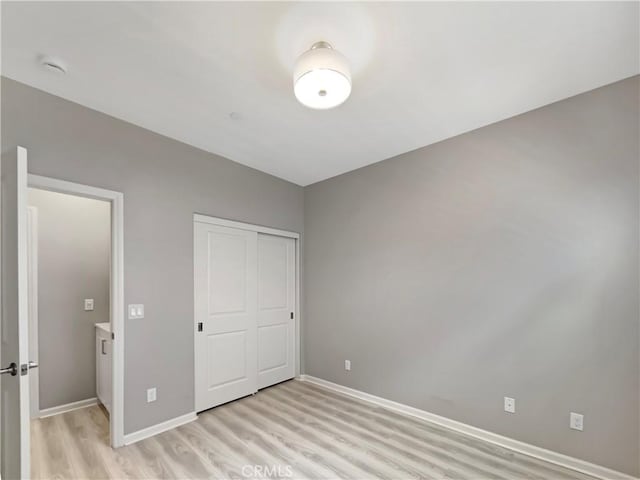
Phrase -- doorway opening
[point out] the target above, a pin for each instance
(75, 306)
(69, 240)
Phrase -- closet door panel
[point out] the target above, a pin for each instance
(275, 307)
(225, 268)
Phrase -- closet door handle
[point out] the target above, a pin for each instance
(102, 345)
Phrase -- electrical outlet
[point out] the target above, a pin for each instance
(88, 304)
(347, 365)
(151, 395)
(509, 404)
(576, 421)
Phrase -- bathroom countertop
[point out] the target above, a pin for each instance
(106, 326)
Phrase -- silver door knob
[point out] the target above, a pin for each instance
(12, 369)
(32, 364)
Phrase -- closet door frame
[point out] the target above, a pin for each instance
(223, 222)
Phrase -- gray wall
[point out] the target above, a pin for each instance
(73, 264)
(164, 182)
(502, 262)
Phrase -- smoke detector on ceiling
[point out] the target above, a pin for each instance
(54, 65)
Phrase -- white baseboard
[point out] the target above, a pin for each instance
(68, 407)
(506, 442)
(134, 437)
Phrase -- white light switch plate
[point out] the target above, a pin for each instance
(347, 365)
(136, 311)
(509, 404)
(151, 395)
(88, 304)
(576, 421)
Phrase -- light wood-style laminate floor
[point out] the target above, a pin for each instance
(291, 430)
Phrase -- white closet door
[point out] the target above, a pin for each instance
(225, 271)
(276, 305)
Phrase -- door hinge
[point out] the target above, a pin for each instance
(199, 326)
(113, 336)
(291, 315)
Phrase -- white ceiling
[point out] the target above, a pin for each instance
(422, 72)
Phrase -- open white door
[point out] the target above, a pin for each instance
(14, 361)
(32, 312)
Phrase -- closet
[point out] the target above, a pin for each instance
(245, 304)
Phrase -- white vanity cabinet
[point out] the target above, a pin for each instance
(103, 364)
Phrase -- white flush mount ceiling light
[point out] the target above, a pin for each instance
(321, 77)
